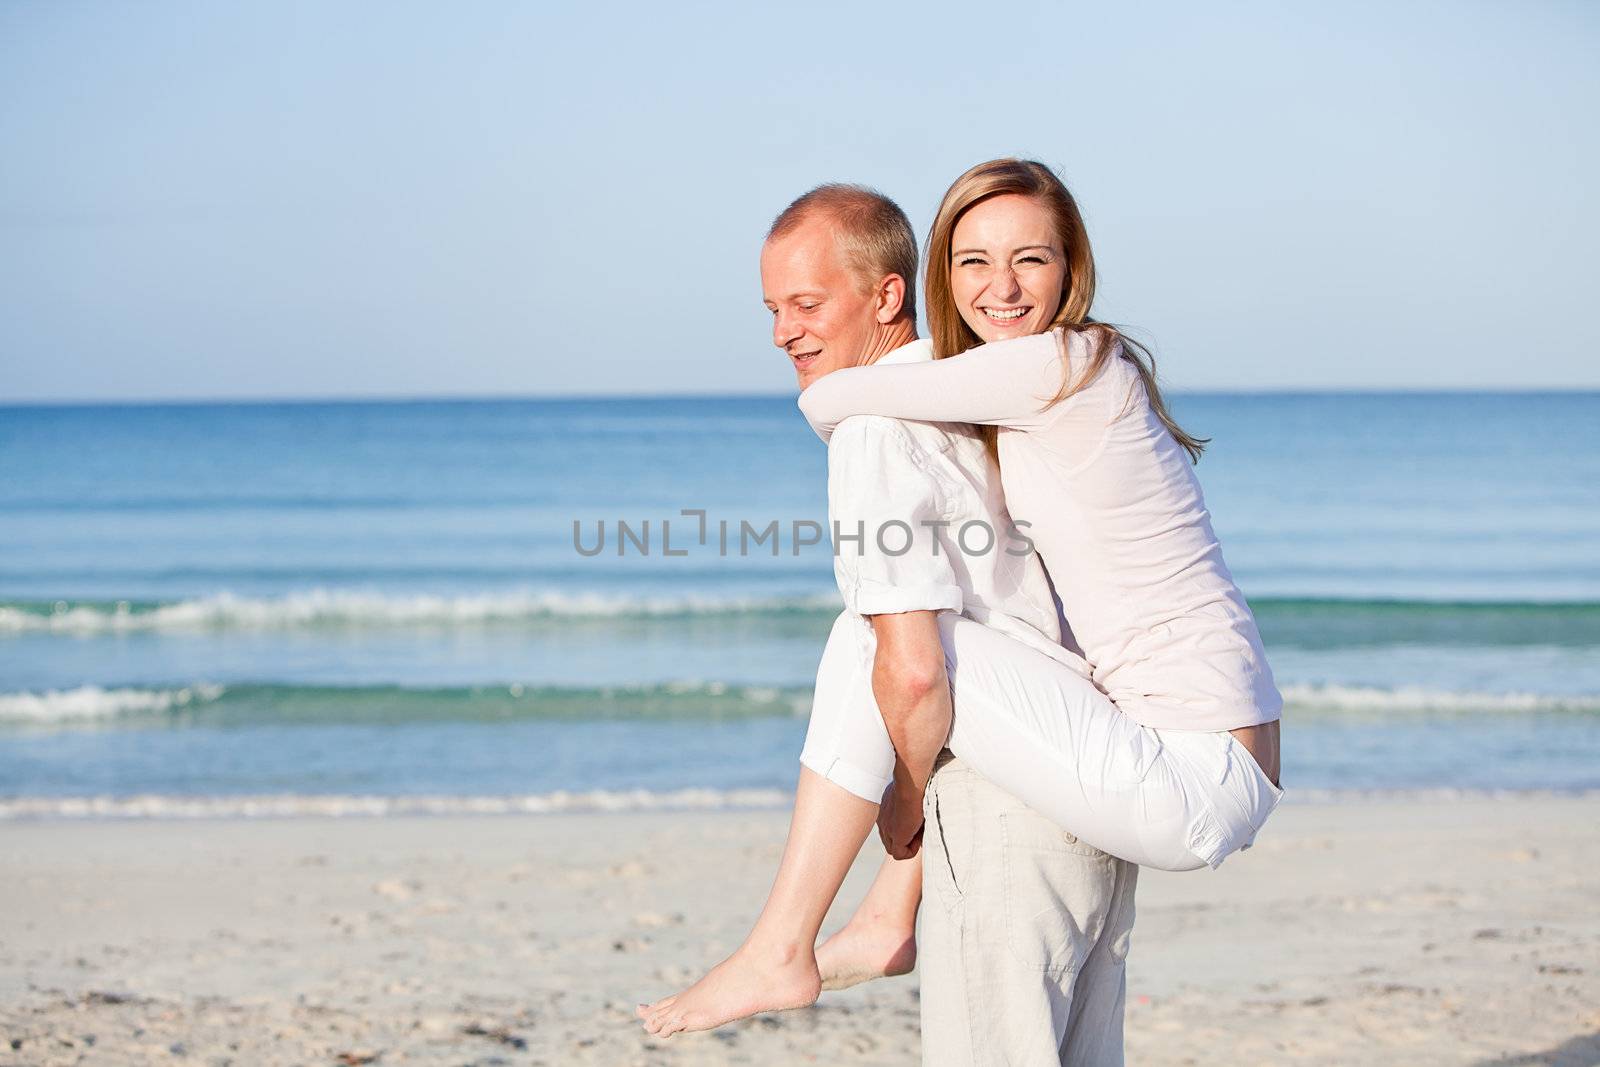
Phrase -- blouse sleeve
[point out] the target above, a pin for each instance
(1005, 383)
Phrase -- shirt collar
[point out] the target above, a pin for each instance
(918, 351)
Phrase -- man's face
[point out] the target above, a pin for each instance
(820, 316)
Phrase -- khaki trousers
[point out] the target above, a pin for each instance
(1024, 933)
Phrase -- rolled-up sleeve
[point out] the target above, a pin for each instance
(887, 511)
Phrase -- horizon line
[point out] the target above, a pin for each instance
(476, 398)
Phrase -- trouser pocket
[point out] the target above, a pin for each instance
(1058, 892)
(947, 843)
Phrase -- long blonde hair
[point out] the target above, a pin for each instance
(951, 334)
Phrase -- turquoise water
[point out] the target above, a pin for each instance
(387, 600)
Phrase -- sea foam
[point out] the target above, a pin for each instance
(92, 706)
(350, 608)
(290, 805)
(1418, 699)
(92, 703)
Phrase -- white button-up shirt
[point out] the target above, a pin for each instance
(919, 523)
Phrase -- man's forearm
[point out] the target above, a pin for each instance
(913, 694)
(918, 729)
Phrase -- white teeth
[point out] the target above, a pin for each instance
(1014, 313)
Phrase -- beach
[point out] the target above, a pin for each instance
(406, 653)
(1362, 931)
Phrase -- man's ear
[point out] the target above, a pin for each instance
(891, 298)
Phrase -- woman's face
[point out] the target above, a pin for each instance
(1007, 267)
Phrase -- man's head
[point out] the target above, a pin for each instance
(837, 271)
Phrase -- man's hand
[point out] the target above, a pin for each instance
(900, 822)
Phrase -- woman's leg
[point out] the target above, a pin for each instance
(776, 967)
(1050, 738)
(848, 744)
(846, 764)
(880, 940)
(1024, 721)
(846, 740)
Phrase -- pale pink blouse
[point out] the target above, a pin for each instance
(1112, 503)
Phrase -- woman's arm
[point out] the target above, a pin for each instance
(1006, 383)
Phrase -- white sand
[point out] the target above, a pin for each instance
(1437, 932)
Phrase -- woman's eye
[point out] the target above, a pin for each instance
(1031, 259)
(969, 261)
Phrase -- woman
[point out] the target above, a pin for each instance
(1168, 757)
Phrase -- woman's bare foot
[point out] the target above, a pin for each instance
(866, 950)
(751, 980)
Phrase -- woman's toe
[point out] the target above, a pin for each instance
(649, 1012)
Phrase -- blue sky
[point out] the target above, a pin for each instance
(385, 199)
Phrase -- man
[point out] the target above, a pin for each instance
(1023, 942)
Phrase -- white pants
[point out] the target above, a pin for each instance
(1175, 800)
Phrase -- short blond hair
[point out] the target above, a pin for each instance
(871, 230)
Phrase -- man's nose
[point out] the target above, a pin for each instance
(785, 331)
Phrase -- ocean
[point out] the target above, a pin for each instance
(545, 605)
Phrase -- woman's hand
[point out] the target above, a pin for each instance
(900, 822)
